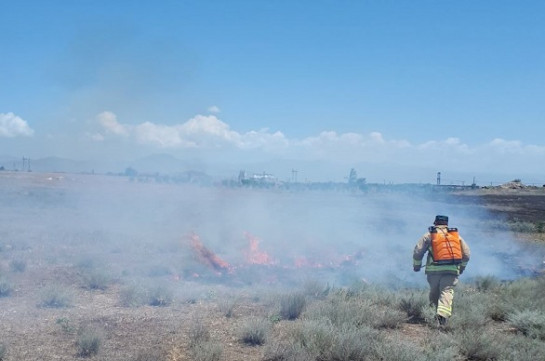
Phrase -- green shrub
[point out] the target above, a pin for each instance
(286, 352)
(315, 289)
(519, 347)
(530, 323)
(65, 325)
(413, 304)
(486, 283)
(387, 317)
(254, 331)
(132, 296)
(89, 341)
(227, 306)
(292, 305)
(470, 310)
(207, 351)
(478, 344)
(17, 265)
(55, 296)
(397, 349)
(96, 280)
(440, 346)
(160, 296)
(198, 332)
(351, 343)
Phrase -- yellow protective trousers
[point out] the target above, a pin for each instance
(442, 292)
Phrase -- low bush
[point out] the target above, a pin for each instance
(254, 331)
(398, 349)
(207, 351)
(413, 304)
(440, 346)
(65, 324)
(89, 341)
(292, 305)
(227, 306)
(55, 296)
(387, 317)
(530, 323)
(478, 344)
(279, 351)
(160, 296)
(471, 310)
(96, 280)
(315, 289)
(132, 296)
(487, 283)
(198, 332)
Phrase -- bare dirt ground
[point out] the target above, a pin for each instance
(517, 205)
(32, 332)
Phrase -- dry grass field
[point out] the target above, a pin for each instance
(104, 268)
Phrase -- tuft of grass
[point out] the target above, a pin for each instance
(441, 346)
(254, 331)
(96, 280)
(397, 350)
(478, 344)
(530, 323)
(89, 341)
(227, 306)
(292, 305)
(132, 296)
(487, 283)
(279, 351)
(207, 351)
(17, 265)
(413, 304)
(198, 332)
(160, 296)
(315, 289)
(55, 296)
(322, 340)
(65, 325)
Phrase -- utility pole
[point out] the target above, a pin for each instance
(294, 175)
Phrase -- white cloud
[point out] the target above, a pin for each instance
(12, 126)
(214, 109)
(108, 121)
(208, 132)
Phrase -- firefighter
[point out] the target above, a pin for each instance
(448, 255)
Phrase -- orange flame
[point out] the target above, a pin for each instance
(254, 255)
(207, 257)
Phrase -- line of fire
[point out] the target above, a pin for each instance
(254, 257)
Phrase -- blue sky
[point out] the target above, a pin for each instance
(397, 89)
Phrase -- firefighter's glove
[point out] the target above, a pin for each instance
(462, 269)
(416, 268)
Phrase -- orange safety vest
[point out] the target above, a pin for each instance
(446, 246)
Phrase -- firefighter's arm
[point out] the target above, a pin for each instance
(419, 251)
(465, 255)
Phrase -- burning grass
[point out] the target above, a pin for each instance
(288, 290)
